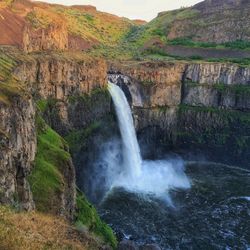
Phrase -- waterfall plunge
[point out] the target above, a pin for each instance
(131, 150)
(151, 177)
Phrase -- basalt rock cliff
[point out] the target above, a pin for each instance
(55, 62)
(201, 106)
(39, 96)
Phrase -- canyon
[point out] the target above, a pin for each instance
(56, 110)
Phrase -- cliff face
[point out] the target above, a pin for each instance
(61, 77)
(63, 81)
(18, 149)
(190, 106)
(214, 21)
(217, 85)
(59, 85)
(55, 37)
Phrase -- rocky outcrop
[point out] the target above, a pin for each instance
(190, 106)
(17, 151)
(217, 85)
(64, 80)
(54, 37)
(212, 73)
(61, 77)
(153, 84)
(214, 21)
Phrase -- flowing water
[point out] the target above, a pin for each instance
(213, 214)
(174, 204)
(154, 177)
(131, 154)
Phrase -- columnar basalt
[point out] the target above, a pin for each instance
(191, 106)
(64, 81)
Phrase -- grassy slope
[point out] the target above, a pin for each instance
(89, 24)
(47, 182)
(136, 44)
(139, 38)
(87, 216)
(9, 87)
(161, 25)
(29, 231)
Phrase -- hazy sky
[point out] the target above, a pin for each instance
(134, 9)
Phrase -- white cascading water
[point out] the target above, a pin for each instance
(151, 177)
(131, 150)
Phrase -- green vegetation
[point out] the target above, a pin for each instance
(185, 41)
(97, 94)
(45, 105)
(163, 109)
(39, 19)
(158, 27)
(237, 89)
(9, 87)
(46, 180)
(155, 53)
(240, 61)
(77, 138)
(90, 25)
(6, 66)
(8, 92)
(87, 216)
(239, 44)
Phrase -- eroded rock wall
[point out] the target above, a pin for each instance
(62, 81)
(58, 88)
(191, 106)
(17, 151)
(214, 21)
(55, 37)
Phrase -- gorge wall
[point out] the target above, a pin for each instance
(17, 151)
(66, 93)
(64, 81)
(202, 108)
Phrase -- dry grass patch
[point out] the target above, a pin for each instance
(29, 231)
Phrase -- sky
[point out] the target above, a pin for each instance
(133, 9)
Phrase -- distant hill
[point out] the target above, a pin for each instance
(213, 24)
(206, 24)
(40, 26)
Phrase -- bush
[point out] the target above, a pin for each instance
(238, 44)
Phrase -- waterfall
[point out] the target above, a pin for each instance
(134, 174)
(131, 150)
